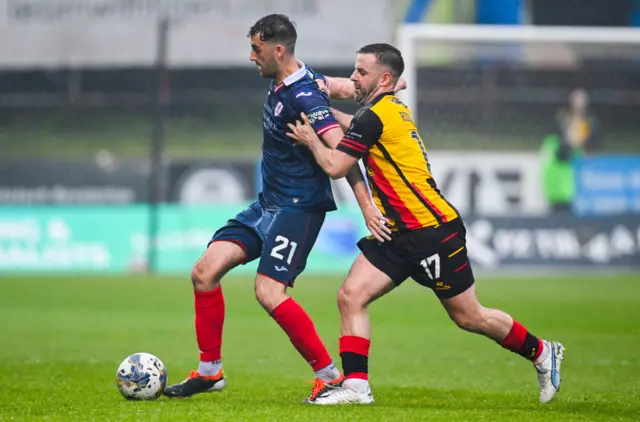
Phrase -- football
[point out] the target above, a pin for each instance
(141, 376)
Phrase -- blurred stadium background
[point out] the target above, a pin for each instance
(108, 111)
(130, 130)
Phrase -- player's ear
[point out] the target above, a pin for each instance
(388, 80)
(280, 51)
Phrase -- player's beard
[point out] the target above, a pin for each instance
(358, 95)
(363, 94)
(267, 70)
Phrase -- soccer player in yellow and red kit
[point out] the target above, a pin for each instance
(426, 236)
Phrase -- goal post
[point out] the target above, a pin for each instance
(409, 35)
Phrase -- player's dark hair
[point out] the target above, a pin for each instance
(387, 55)
(276, 28)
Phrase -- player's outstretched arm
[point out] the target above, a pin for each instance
(376, 222)
(354, 175)
(344, 119)
(323, 128)
(335, 163)
(338, 164)
(344, 89)
(337, 88)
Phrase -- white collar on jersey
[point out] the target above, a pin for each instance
(297, 75)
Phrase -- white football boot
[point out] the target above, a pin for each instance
(549, 371)
(344, 395)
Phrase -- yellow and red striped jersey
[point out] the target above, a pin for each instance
(385, 136)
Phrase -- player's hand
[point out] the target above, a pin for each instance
(400, 85)
(377, 224)
(323, 87)
(302, 131)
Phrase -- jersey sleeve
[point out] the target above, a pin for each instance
(315, 104)
(364, 131)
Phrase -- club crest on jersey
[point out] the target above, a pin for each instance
(278, 109)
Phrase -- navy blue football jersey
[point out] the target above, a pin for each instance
(291, 178)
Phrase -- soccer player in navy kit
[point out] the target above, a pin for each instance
(281, 227)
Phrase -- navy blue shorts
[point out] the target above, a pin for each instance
(282, 239)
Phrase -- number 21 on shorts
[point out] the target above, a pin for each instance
(431, 266)
(282, 243)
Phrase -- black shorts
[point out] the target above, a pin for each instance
(435, 257)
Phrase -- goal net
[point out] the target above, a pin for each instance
(502, 87)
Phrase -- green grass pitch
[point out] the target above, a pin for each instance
(63, 338)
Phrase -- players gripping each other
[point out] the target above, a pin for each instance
(428, 235)
(281, 227)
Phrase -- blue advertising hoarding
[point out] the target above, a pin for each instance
(607, 185)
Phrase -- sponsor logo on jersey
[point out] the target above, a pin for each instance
(318, 115)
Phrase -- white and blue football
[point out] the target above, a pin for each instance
(141, 376)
